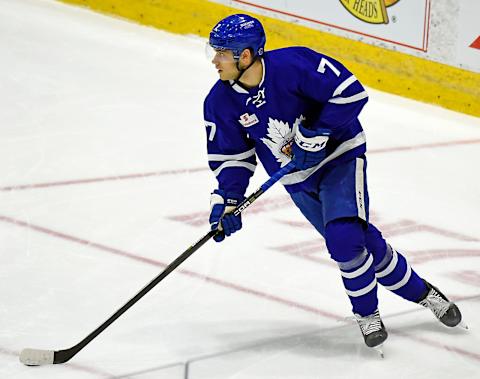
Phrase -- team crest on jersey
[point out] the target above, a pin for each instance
(259, 99)
(280, 138)
(248, 120)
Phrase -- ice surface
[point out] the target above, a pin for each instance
(105, 180)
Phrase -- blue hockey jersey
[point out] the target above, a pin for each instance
(298, 85)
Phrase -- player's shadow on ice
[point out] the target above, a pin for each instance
(420, 328)
(343, 339)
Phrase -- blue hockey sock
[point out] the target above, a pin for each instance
(396, 275)
(392, 269)
(345, 240)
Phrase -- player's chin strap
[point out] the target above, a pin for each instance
(242, 70)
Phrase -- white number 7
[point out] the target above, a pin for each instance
(212, 125)
(324, 62)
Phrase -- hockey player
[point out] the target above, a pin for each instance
(295, 104)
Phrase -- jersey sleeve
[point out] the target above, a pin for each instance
(329, 83)
(231, 154)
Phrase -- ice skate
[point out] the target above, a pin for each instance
(443, 309)
(373, 330)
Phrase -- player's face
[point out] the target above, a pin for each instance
(225, 64)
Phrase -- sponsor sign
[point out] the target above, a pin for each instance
(397, 22)
(468, 42)
(371, 11)
(476, 44)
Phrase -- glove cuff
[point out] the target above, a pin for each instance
(228, 199)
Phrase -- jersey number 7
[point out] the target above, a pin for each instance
(324, 62)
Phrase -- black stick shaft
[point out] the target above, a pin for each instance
(62, 356)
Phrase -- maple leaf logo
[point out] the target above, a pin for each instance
(280, 138)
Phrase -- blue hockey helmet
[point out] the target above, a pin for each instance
(237, 33)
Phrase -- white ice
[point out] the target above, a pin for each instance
(104, 180)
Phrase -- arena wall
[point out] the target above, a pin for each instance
(427, 51)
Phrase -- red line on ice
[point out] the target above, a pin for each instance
(103, 179)
(157, 263)
(219, 282)
(21, 187)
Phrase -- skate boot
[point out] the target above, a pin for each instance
(443, 309)
(373, 330)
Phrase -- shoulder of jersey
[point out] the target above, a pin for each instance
(290, 56)
(289, 50)
(217, 90)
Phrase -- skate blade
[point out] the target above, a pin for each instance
(379, 350)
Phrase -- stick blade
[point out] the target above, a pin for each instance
(36, 357)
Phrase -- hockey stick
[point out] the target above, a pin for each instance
(36, 357)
